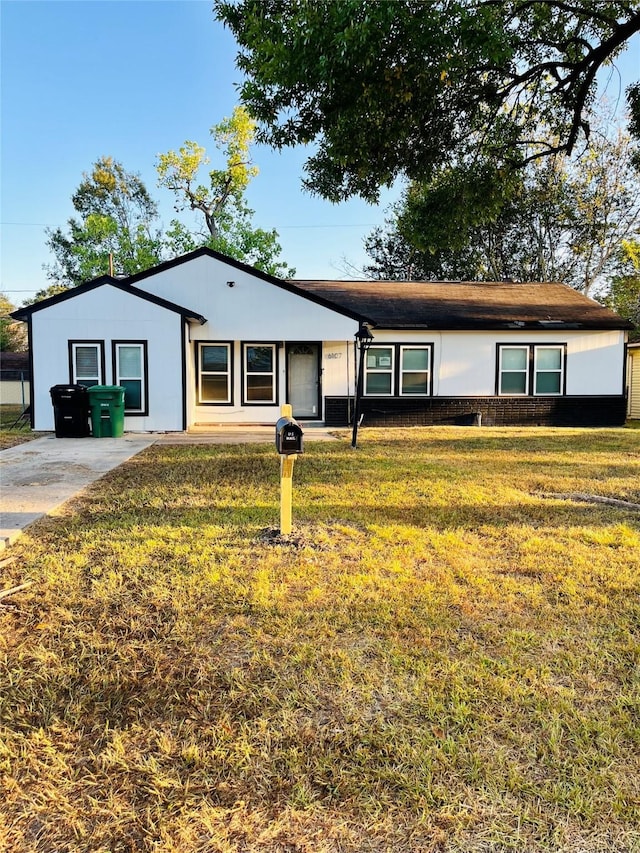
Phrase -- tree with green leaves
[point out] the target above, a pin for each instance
(114, 231)
(13, 335)
(409, 89)
(565, 219)
(227, 219)
(623, 296)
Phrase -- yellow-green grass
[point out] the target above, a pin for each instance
(443, 656)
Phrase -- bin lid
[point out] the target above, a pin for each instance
(67, 389)
(106, 389)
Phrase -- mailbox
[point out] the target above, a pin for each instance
(288, 437)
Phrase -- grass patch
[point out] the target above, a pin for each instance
(441, 657)
(11, 434)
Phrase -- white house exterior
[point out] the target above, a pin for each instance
(248, 342)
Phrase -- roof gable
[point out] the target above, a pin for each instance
(287, 285)
(107, 280)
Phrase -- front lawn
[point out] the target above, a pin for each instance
(443, 656)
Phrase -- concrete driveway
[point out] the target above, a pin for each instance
(38, 476)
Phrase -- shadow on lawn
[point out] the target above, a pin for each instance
(545, 514)
(235, 487)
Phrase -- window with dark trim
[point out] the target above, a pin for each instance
(402, 370)
(86, 363)
(378, 371)
(130, 372)
(215, 375)
(548, 369)
(415, 370)
(531, 370)
(259, 374)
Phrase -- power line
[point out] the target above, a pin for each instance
(34, 224)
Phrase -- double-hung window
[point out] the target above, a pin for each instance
(514, 370)
(86, 362)
(259, 362)
(130, 372)
(214, 373)
(548, 370)
(531, 369)
(378, 372)
(415, 370)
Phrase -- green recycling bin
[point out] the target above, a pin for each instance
(106, 403)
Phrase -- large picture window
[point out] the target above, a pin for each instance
(259, 373)
(130, 372)
(531, 369)
(214, 373)
(86, 362)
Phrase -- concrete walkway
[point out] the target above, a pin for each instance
(249, 434)
(40, 475)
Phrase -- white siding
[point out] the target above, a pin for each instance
(254, 311)
(338, 368)
(251, 310)
(106, 314)
(465, 362)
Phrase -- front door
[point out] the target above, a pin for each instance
(303, 379)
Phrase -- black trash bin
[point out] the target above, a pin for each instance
(70, 410)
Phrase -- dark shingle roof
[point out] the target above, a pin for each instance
(465, 305)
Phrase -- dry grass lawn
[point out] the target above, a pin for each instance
(443, 656)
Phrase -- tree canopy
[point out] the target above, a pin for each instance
(624, 290)
(406, 88)
(114, 231)
(567, 219)
(227, 217)
(13, 335)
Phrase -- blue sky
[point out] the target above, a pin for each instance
(132, 79)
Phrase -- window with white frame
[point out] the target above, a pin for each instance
(87, 362)
(214, 373)
(259, 373)
(548, 369)
(415, 370)
(129, 370)
(527, 369)
(514, 370)
(378, 371)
